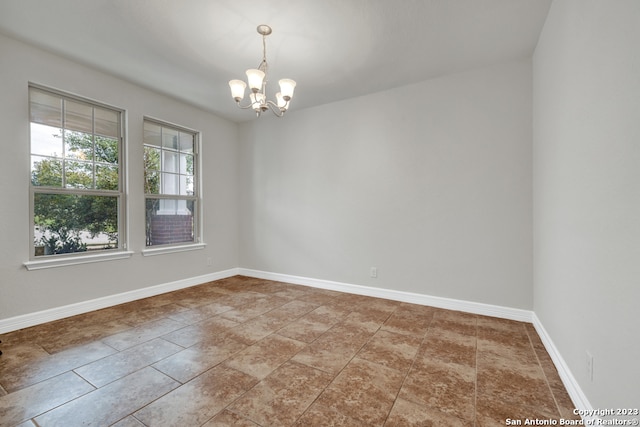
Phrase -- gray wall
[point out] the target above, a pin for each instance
(23, 291)
(430, 183)
(587, 192)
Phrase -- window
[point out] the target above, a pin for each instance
(170, 184)
(77, 200)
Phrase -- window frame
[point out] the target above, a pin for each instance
(198, 242)
(120, 251)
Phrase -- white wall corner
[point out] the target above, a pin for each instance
(578, 397)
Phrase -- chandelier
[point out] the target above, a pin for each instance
(257, 78)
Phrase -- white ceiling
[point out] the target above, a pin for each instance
(334, 49)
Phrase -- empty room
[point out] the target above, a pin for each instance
(319, 213)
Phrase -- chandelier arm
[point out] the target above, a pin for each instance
(275, 109)
(250, 105)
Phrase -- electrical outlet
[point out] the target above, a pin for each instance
(373, 272)
(209, 261)
(589, 366)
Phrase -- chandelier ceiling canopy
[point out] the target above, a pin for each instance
(257, 80)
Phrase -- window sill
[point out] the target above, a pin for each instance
(75, 260)
(172, 249)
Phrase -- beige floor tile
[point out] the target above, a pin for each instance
(528, 389)
(191, 362)
(83, 333)
(32, 401)
(495, 412)
(290, 311)
(118, 365)
(409, 414)
(449, 351)
(129, 421)
(19, 352)
(139, 334)
(265, 356)
(410, 322)
(257, 328)
(319, 415)
(229, 419)
(111, 403)
(201, 331)
(449, 388)
(364, 391)
(391, 349)
(282, 397)
(199, 400)
(313, 324)
(42, 368)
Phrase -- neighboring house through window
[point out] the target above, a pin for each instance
(170, 184)
(77, 196)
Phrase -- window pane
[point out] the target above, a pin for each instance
(170, 161)
(46, 140)
(107, 122)
(78, 145)
(46, 108)
(106, 150)
(186, 185)
(78, 174)
(67, 223)
(151, 168)
(170, 183)
(186, 142)
(186, 164)
(106, 177)
(152, 134)
(170, 138)
(151, 182)
(78, 116)
(46, 171)
(151, 158)
(169, 221)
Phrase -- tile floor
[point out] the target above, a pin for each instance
(251, 352)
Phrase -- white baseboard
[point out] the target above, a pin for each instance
(578, 397)
(32, 319)
(446, 303)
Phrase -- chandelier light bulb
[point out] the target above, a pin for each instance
(237, 89)
(286, 88)
(255, 78)
(282, 104)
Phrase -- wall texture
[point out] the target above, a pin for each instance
(586, 73)
(430, 183)
(23, 291)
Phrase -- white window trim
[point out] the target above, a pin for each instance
(171, 249)
(62, 261)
